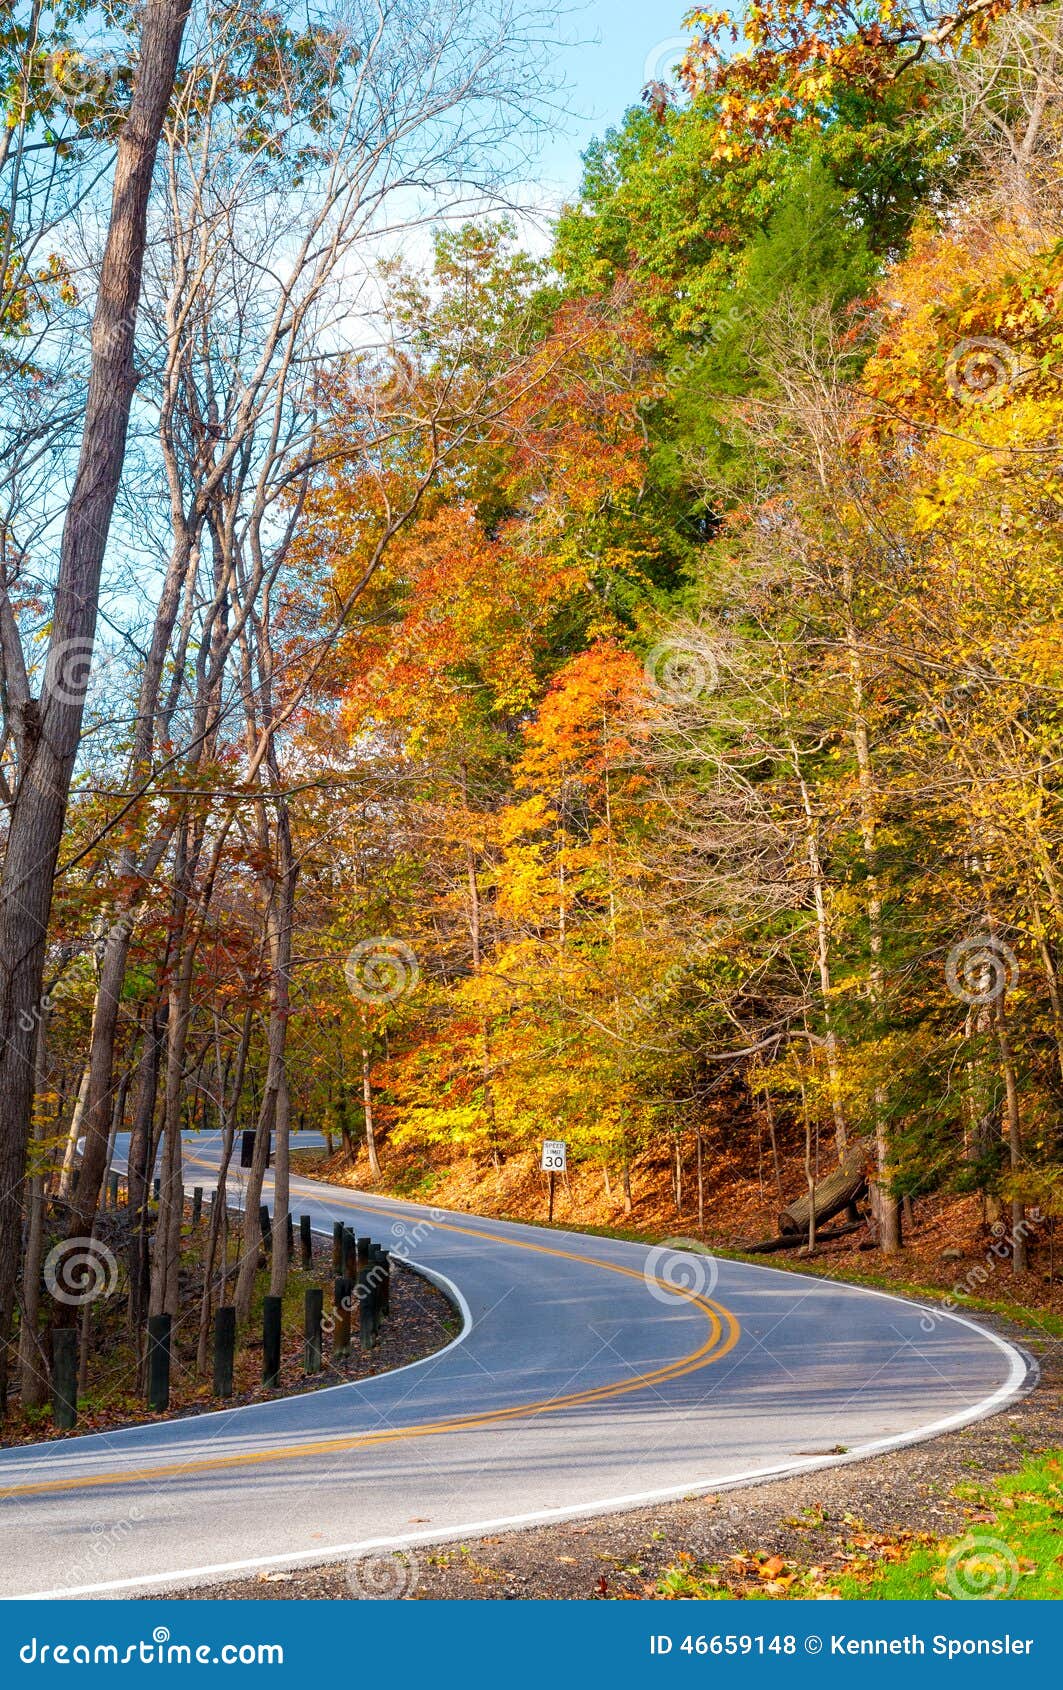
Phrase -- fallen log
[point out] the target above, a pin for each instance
(793, 1240)
(846, 1183)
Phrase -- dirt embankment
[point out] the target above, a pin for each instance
(421, 1321)
(949, 1245)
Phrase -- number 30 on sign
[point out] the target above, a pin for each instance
(554, 1156)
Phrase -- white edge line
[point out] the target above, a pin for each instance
(1020, 1370)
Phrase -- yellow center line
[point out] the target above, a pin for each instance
(724, 1335)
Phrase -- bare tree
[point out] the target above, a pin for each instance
(46, 729)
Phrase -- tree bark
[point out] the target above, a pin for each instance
(842, 1186)
(141, 1161)
(279, 923)
(77, 1116)
(49, 729)
(367, 1100)
(33, 1370)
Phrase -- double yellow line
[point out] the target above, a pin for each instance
(724, 1332)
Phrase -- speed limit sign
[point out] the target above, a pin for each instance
(553, 1161)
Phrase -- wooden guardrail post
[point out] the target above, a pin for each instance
(197, 1204)
(366, 1331)
(341, 1332)
(159, 1335)
(381, 1268)
(291, 1235)
(271, 1341)
(312, 1305)
(265, 1226)
(224, 1349)
(337, 1247)
(112, 1190)
(65, 1377)
(306, 1242)
(376, 1289)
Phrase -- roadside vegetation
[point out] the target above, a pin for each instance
(611, 694)
(1011, 1551)
(112, 1366)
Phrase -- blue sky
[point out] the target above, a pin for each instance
(617, 46)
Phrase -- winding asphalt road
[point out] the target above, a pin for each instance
(589, 1375)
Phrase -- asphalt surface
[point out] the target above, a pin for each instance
(589, 1375)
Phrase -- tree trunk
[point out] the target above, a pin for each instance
(270, 1118)
(819, 896)
(98, 1101)
(1011, 1095)
(701, 1187)
(810, 1180)
(770, 1114)
(367, 1100)
(33, 1371)
(49, 729)
(842, 1186)
(166, 1255)
(886, 1207)
(66, 1176)
(141, 1162)
(278, 1277)
(217, 1249)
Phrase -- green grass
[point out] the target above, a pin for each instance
(1011, 1548)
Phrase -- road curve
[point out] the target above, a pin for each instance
(583, 1380)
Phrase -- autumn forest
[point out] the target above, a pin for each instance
(609, 694)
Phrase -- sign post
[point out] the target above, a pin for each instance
(554, 1162)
